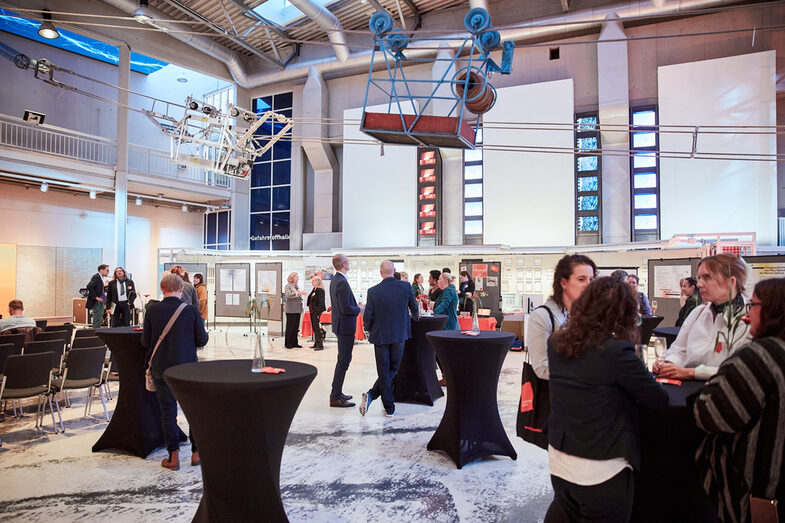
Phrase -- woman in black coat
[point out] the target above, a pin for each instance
(316, 307)
(465, 293)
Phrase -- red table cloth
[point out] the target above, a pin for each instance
(486, 324)
(306, 331)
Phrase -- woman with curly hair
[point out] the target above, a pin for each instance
(597, 384)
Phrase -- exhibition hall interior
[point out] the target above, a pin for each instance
(583, 200)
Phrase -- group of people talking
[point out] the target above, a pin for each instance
(581, 341)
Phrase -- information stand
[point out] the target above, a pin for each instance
(232, 289)
(268, 285)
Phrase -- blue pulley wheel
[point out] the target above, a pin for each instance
(476, 20)
(490, 40)
(381, 22)
(397, 41)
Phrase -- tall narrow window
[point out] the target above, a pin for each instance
(271, 180)
(217, 230)
(588, 185)
(473, 194)
(645, 174)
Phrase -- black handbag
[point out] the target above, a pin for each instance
(534, 406)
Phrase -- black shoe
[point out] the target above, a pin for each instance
(298, 346)
(344, 396)
(340, 402)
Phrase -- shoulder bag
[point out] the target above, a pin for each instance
(149, 384)
(535, 403)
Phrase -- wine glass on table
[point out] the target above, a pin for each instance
(654, 306)
(660, 348)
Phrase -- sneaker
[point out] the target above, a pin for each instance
(365, 403)
(388, 414)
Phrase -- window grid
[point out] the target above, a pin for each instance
(588, 179)
(218, 230)
(644, 174)
(271, 187)
(473, 206)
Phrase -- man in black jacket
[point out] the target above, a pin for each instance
(178, 346)
(96, 295)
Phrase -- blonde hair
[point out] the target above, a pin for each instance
(447, 277)
(172, 283)
(291, 276)
(317, 282)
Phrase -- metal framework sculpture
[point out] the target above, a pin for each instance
(407, 120)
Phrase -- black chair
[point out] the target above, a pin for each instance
(84, 333)
(6, 350)
(63, 336)
(28, 333)
(41, 324)
(64, 327)
(26, 376)
(55, 347)
(648, 324)
(85, 343)
(18, 341)
(84, 369)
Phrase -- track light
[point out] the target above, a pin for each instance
(92, 195)
(142, 13)
(47, 29)
(44, 187)
(138, 201)
(184, 208)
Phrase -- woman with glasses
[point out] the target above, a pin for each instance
(742, 411)
(706, 338)
(120, 292)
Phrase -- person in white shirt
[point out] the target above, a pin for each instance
(706, 339)
(17, 320)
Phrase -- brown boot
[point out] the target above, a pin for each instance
(195, 461)
(173, 461)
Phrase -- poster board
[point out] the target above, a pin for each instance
(268, 277)
(232, 289)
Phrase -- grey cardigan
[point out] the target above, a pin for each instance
(294, 302)
(189, 295)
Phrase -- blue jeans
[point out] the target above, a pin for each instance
(345, 346)
(388, 359)
(168, 406)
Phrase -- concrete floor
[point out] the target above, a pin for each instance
(337, 465)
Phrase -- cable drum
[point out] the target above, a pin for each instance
(480, 96)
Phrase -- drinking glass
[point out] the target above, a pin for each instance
(660, 347)
(642, 351)
(654, 306)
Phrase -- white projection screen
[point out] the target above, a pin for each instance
(704, 195)
(529, 197)
(379, 192)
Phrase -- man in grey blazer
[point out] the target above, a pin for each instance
(387, 318)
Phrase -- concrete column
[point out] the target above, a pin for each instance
(440, 66)
(452, 196)
(614, 109)
(121, 169)
(240, 200)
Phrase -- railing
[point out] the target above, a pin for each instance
(96, 150)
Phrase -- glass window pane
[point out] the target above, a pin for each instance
(478, 139)
(472, 227)
(280, 230)
(473, 172)
(281, 173)
(260, 200)
(587, 163)
(223, 247)
(211, 224)
(260, 231)
(588, 183)
(645, 221)
(281, 198)
(261, 175)
(265, 103)
(472, 155)
(587, 123)
(645, 180)
(223, 227)
(588, 203)
(473, 190)
(643, 140)
(644, 160)
(588, 223)
(645, 201)
(587, 144)
(282, 149)
(282, 101)
(646, 118)
(472, 209)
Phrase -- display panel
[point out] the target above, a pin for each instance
(429, 196)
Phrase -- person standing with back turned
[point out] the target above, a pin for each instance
(389, 325)
(344, 324)
(96, 295)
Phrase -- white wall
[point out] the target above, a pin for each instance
(529, 198)
(31, 217)
(719, 195)
(379, 192)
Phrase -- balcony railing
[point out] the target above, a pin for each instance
(96, 150)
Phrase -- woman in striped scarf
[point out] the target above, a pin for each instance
(742, 410)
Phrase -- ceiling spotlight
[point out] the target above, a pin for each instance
(182, 79)
(47, 29)
(184, 208)
(138, 201)
(92, 195)
(44, 187)
(142, 13)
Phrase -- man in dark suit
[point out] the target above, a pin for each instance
(344, 323)
(96, 295)
(387, 319)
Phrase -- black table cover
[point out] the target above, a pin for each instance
(669, 333)
(240, 421)
(471, 427)
(667, 488)
(416, 381)
(136, 423)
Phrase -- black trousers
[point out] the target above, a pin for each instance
(122, 315)
(609, 501)
(345, 346)
(168, 406)
(292, 328)
(317, 328)
(388, 359)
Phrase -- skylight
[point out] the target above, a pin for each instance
(75, 43)
(282, 12)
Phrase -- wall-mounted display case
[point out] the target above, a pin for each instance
(429, 196)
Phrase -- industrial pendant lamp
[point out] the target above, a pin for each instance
(142, 13)
(47, 29)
